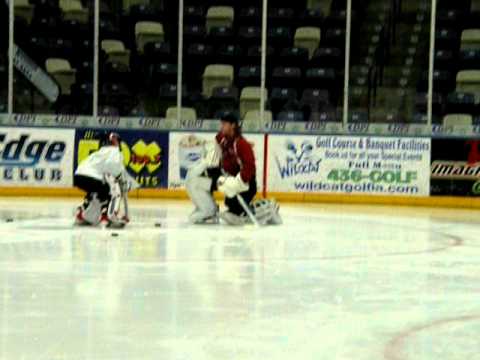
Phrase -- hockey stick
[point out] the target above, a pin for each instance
(132, 184)
(247, 209)
(125, 205)
(35, 74)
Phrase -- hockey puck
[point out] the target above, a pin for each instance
(158, 224)
(114, 234)
(9, 220)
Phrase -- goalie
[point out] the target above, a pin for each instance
(104, 178)
(227, 165)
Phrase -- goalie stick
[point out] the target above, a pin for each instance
(133, 184)
(248, 210)
(125, 205)
(35, 74)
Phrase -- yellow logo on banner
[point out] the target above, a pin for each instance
(85, 148)
(144, 155)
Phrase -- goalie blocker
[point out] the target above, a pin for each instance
(227, 165)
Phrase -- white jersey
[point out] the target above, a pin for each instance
(106, 161)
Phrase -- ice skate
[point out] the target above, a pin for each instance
(79, 218)
(112, 223)
(104, 220)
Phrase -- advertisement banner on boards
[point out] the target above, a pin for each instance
(145, 154)
(349, 164)
(186, 149)
(455, 169)
(36, 157)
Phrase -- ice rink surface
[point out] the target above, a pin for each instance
(332, 283)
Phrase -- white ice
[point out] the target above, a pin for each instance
(332, 283)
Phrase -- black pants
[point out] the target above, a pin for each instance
(90, 186)
(232, 203)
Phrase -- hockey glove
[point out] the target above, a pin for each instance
(231, 186)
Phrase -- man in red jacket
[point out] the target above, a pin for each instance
(238, 165)
(227, 165)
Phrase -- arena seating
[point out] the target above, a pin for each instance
(222, 58)
(3, 58)
(457, 52)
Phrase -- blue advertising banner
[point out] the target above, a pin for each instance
(145, 153)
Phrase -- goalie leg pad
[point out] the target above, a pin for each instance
(199, 191)
(115, 201)
(93, 209)
(267, 211)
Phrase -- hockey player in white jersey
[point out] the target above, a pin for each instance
(104, 178)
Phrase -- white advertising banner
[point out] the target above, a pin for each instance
(36, 157)
(349, 164)
(185, 150)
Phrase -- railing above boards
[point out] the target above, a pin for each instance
(282, 127)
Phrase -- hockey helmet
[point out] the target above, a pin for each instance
(107, 138)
